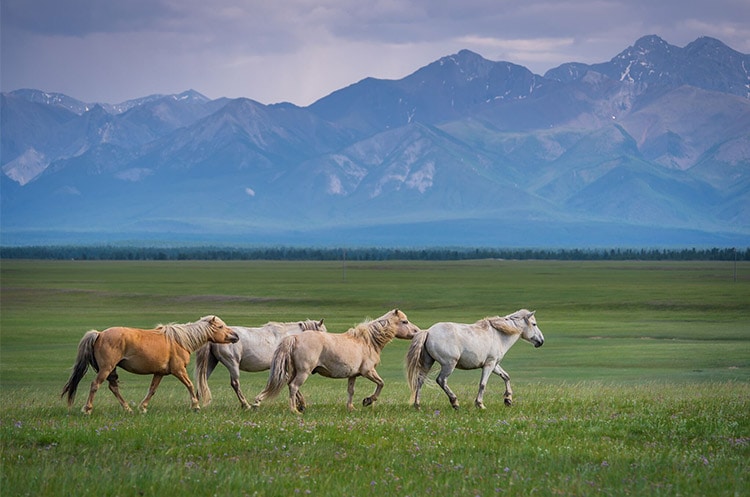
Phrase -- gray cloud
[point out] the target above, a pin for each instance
(299, 51)
(83, 17)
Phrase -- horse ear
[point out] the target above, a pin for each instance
(320, 323)
(532, 313)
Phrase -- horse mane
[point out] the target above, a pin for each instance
(376, 332)
(506, 324)
(189, 335)
(311, 325)
(307, 325)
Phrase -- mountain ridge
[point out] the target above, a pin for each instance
(645, 141)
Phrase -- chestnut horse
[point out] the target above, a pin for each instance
(334, 355)
(253, 352)
(160, 352)
(469, 346)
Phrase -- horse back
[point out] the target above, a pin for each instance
(335, 355)
(469, 345)
(138, 351)
(122, 337)
(308, 347)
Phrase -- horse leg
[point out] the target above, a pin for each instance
(100, 377)
(442, 380)
(114, 387)
(182, 375)
(418, 391)
(234, 380)
(294, 387)
(143, 406)
(421, 376)
(301, 403)
(373, 376)
(508, 397)
(486, 371)
(350, 391)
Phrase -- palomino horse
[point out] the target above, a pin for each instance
(469, 346)
(160, 352)
(335, 355)
(253, 352)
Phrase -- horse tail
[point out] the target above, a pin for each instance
(415, 362)
(84, 358)
(282, 368)
(205, 362)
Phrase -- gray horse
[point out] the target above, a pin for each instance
(253, 352)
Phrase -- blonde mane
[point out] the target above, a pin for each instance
(189, 335)
(377, 332)
(506, 324)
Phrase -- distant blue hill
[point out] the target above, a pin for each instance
(647, 149)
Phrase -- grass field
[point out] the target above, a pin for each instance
(642, 386)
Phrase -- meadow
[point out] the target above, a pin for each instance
(641, 388)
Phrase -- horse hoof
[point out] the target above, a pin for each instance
(455, 407)
(417, 407)
(508, 402)
(367, 401)
(480, 405)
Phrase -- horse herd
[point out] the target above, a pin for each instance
(293, 351)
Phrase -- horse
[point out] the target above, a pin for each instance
(161, 351)
(334, 355)
(469, 346)
(253, 352)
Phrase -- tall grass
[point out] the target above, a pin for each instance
(642, 386)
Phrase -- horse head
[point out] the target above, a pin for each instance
(220, 332)
(404, 329)
(530, 331)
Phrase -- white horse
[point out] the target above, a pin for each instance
(469, 346)
(253, 352)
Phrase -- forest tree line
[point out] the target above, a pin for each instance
(133, 253)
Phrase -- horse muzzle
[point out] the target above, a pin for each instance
(538, 343)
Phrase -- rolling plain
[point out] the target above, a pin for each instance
(641, 388)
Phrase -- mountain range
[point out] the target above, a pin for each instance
(649, 149)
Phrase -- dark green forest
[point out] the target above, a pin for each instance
(104, 252)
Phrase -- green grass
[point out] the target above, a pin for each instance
(642, 386)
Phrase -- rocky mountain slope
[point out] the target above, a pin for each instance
(652, 147)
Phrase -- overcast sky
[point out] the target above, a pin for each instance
(301, 50)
